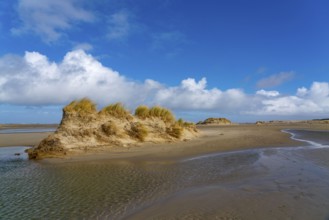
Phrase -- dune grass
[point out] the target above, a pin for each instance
(184, 124)
(175, 131)
(82, 106)
(110, 128)
(116, 110)
(164, 114)
(138, 131)
(142, 112)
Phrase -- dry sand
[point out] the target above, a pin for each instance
(212, 139)
(23, 139)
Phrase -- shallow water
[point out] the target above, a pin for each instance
(277, 183)
(317, 138)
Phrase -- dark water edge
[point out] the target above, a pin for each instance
(314, 138)
(271, 183)
(8, 154)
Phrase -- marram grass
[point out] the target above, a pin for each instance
(142, 111)
(82, 106)
(85, 106)
(164, 114)
(116, 110)
(138, 131)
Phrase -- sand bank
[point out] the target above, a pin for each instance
(26, 138)
(22, 139)
(212, 139)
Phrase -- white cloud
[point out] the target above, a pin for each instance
(49, 18)
(319, 91)
(275, 80)
(311, 101)
(192, 95)
(301, 92)
(268, 93)
(35, 80)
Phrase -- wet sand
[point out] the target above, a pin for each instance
(230, 172)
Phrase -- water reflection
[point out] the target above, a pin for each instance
(103, 189)
(278, 180)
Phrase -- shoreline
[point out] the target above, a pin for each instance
(212, 139)
(22, 139)
(28, 139)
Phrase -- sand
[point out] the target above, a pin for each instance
(213, 138)
(22, 139)
(265, 183)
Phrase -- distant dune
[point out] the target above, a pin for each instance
(215, 121)
(83, 128)
(315, 121)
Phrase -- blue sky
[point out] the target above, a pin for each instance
(245, 60)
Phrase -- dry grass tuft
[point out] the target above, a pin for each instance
(184, 124)
(175, 131)
(142, 111)
(83, 106)
(180, 122)
(116, 110)
(110, 128)
(162, 113)
(138, 131)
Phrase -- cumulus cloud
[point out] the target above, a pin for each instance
(268, 93)
(35, 80)
(275, 80)
(49, 18)
(192, 95)
(313, 101)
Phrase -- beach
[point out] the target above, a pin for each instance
(229, 172)
(24, 134)
(212, 139)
